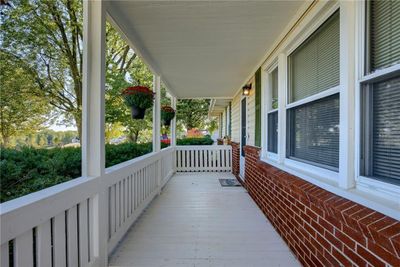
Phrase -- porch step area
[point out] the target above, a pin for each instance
(196, 222)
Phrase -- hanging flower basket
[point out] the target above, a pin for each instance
(138, 98)
(167, 114)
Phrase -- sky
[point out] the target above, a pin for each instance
(59, 128)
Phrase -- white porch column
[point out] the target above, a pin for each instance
(93, 151)
(347, 94)
(173, 123)
(156, 114)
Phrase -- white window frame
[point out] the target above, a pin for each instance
(268, 107)
(367, 184)
(311, 169)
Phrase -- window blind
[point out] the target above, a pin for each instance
(384, 33)
(273, 132)
(314, 132)
(274, 85)
(314, 66)
(386, 129)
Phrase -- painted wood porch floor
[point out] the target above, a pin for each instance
(196, 222)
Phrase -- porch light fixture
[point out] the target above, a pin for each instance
(246, 89)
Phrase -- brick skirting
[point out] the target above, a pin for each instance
(235, 158)
(321, 228)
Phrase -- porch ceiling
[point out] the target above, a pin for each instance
(217, 106)
(203, 48)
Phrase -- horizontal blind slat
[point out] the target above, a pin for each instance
(314, 132)
(314, 66)
(386, 129)
(384, 34)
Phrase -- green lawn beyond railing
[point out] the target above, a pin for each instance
(27, 170)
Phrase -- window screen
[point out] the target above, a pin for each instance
(382, 130)
(314, 132)
(314, 66)
(273, 132)
(384, 34)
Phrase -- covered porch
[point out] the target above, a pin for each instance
(167, 208)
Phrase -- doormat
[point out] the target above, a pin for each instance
(229, 182)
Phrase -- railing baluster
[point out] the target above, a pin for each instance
(43, 244)
(23, 250)
(72, 236)
(4, 255)
(113, 208)
(59, 240)
(83, 234)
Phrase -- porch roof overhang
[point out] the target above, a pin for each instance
(218, 106)
(203, 49)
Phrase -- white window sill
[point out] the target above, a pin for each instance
(388, 204)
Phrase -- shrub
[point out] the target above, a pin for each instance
(29, 169)
(119, 153)
(203, 141)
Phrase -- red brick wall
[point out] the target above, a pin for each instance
(321, 228)
(235, 158)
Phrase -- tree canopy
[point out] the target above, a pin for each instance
(41, 58)
(192, 113)
(21, 111)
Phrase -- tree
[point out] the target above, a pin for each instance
(122, 73)
(46, 36)
(192, 113)
(21, 112)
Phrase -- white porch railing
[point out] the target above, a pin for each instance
(78, 223)
(65, 224)
(203, 158)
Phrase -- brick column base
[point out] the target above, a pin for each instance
(236, 159)
(321, 228)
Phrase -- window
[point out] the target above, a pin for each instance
(380, 122)
(314, 135)
(313, 113)
(273, 113)
(384, 38)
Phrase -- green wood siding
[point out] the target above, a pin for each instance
(230, 120)
(257, 138)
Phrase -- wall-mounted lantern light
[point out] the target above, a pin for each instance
(246, 89)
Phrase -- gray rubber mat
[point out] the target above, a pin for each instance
(229, 182)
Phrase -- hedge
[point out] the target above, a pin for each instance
(195, 141)
(29, 169)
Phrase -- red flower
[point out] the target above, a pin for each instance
(167, 109)
(137, 89)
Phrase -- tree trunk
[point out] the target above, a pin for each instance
(5, 141)
(78, 122)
